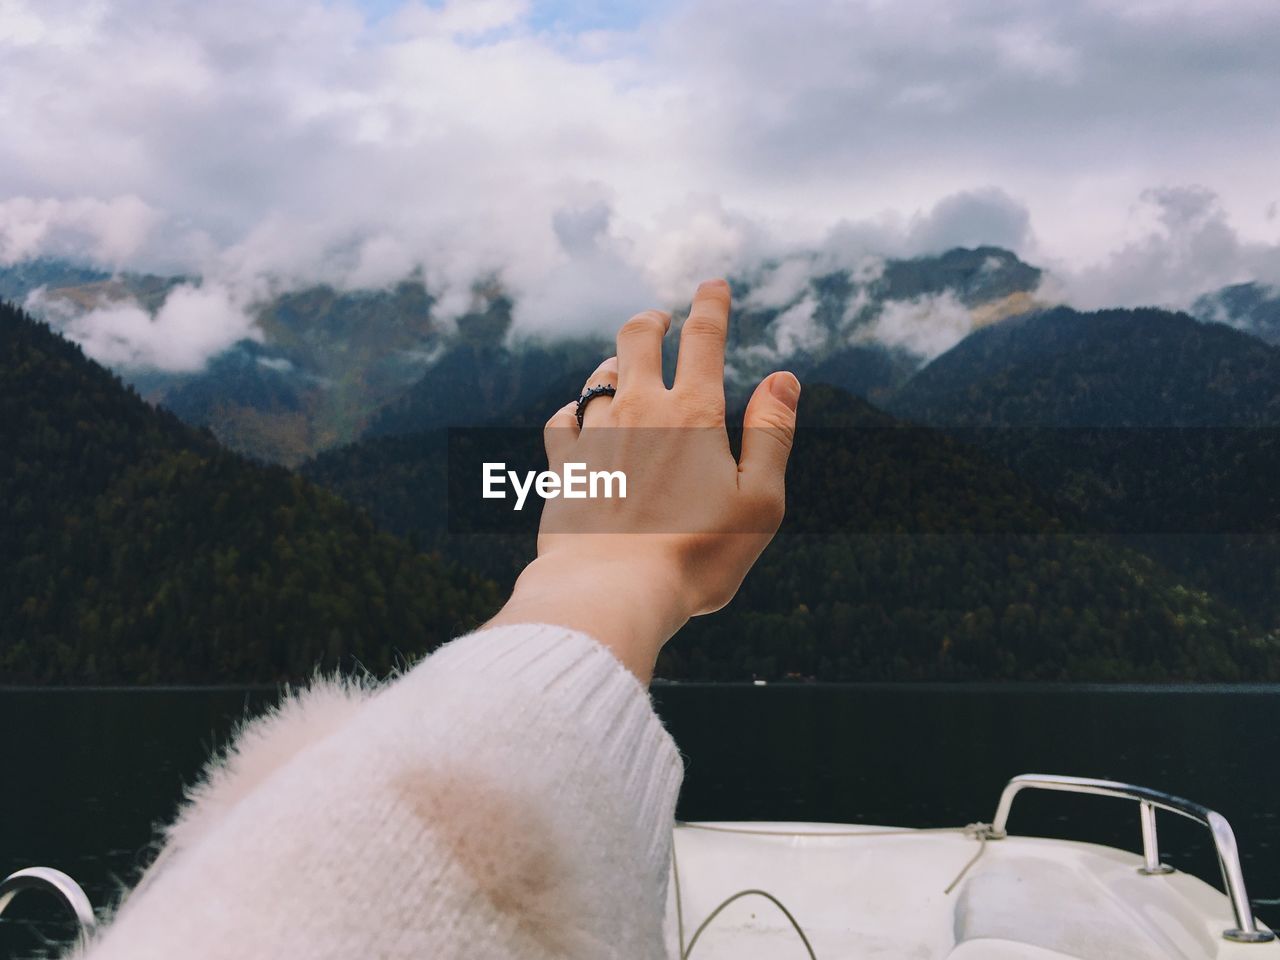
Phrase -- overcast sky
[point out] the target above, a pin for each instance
(600, 156)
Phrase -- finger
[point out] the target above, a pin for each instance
(559, 435)
(700, 365)
(768, 431)
(640, 349)
(606, 375)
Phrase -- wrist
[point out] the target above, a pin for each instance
(631, 605)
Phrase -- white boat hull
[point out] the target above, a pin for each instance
(868, 892)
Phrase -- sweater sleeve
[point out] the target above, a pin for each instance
(512, 796)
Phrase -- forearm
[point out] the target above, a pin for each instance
(631, 610)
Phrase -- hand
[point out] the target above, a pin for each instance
(632, 571)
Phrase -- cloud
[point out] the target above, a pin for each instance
(1184, 246)
(194, 322)
(600, 170)
(795, 329)
(108, 232)
(925, 326)
(972, 218)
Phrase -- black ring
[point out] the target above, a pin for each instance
(599, 390)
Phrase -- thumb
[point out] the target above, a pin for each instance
(769, 428)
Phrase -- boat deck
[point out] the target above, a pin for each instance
(881, 892)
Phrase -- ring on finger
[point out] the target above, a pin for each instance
(599, 390)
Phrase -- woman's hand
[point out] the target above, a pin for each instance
(631, 571)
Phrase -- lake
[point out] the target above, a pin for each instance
(85, 773)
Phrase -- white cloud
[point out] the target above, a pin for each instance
(109, 232)
(278, 364)
(193, 324)
(264, 146)
(924, 326)
(781, 283)
(971, 218)
(1182, 245)
(795, 329)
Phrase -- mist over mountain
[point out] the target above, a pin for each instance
(1251, 307)
(320, 366)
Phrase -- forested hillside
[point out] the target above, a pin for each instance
(138, 550)
(1109, 368)
(905, 555)
(1159, 432)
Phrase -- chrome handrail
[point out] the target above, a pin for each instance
(53, 881)
(1224, 838)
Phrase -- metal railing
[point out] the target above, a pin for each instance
(1224, 838)
(56, 882)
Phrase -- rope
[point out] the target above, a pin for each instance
(717, 828)
(750, 893)
(982, 832)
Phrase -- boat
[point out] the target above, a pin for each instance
(813, 891)
(818, 891)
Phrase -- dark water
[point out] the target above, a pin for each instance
(84, 774)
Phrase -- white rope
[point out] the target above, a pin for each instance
(750, 893)
(982, 832)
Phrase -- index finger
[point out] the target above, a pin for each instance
(700, 364)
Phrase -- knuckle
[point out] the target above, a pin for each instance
(700, 325)
(558, 420)
(701, 406)
(642, 323)
(606, 369)
(628, 406)
(779, 426)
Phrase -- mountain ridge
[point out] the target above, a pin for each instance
(142, 551)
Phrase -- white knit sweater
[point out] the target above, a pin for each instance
(512, 796)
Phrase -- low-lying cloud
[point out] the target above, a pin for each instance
(194, 323)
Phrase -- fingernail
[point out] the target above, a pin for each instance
(786, 388)
(717, 282)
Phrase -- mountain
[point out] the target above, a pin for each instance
(909, 554)
(1154, 429)
(1251, 307)
(328, 366)
(1110, 368)
(905, 555)
(19, 280)
(145, 552)
(825, 327)
(327, 361)
(139, 550)
(483, 378)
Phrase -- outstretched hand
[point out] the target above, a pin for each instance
(632, 571)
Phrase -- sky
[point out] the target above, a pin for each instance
(599, 158)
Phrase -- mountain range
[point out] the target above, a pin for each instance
(985, 486)
(328, 366)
